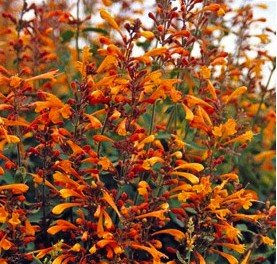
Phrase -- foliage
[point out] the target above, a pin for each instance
(120, 143)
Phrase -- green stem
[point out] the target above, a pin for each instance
(102, 132)
(152, 118)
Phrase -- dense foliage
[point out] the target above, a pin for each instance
(129, 135)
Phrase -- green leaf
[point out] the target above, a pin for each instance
(195, 146)
(163, 136)
(67, 35)
(94, 29)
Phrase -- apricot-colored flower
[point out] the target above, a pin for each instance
(247, 136)
(109, 19)
(205, 72)
(190, 166)
(157, 214)
(224, 130)
(148, 163)
(110, 201)
(5, 243)
(3, 214)
(143, 189)
(231, 259)
(58, 209)
(121, 129)
(190, 177)
(239, 91)
(240, 248)
(266, 240)
(61, 225)
(157, 255)
(177, 234)
(15, 187)
(14, 221)
(189, 113)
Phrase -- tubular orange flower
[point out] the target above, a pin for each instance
(121, 129)
(58, 209)
(61, 225)
(246, 258)
(189, 113)
(108, 62)
(157, 255)
(108, 18)
(211, 89)
(110, 201)
(192, 100)
(5, 243)
(247, 136)
(205, 72)
(239, 248)
(239, 91)
(16, 187)
(3, 214)
(101, 138)
(157, 214)
(177, 234)
(148, 163)
(266, 240)
(94, 122)
(230, 258)
(190, 177)
(75, 148)
(149, 35)
(190, 166)
(14, 221)
(143, 189)
(156, 52)
(225, 130)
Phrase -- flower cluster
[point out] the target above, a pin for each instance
(125, 142)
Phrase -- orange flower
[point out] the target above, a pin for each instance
(177, 234)
(14, 221)
(266, 240)
(3, 214)
(156, 52)
(246, 258)
(101, 138)
(121, 129)
(230, 258)
(61, 225)
(190, 166)
(58, 209)
(157, 214)
(239, 91)
(190, 177)
(157, 255)
(247, 136)
(94, 122)
(189, 113)
(148, 163)
(110, 201)
(205, 72)
(239, 248)
(225, 130)
(16, 187)
(108, 18)
(75, 148)
(5, 243)
(143, 189)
